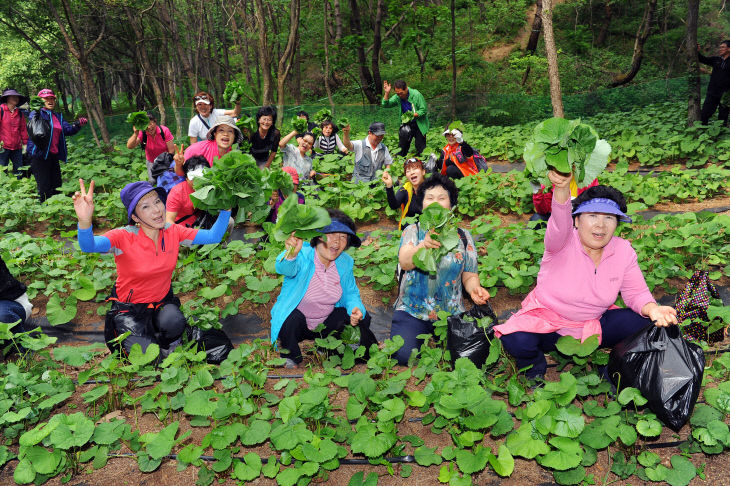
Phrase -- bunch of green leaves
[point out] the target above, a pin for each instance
(234, 91)
(278, 180)
(247, 124)
(138, 119)
(35, 103)
(322, 115)
(342, 123)
(407, 117)
(304, 220)
(566, 146)
(234, 181)
(299, 124)
(440, 222)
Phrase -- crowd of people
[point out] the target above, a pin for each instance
(583, 270)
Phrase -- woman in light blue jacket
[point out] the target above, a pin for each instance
(319, 288)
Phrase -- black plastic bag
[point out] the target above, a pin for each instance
(664, 367)
(214, 342)
(466, 339)
(405, 132)
(39, 130)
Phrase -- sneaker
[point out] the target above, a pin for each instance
(290, 364)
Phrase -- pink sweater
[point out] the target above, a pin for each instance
(571, 292)
(206, 148)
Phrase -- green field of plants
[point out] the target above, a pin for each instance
(71, 413)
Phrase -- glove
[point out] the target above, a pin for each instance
(83, 121)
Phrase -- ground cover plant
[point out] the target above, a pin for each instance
(71, 411)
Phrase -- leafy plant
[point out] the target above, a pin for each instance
(234, 92)
(322, 115)
(407, 117)
(566, 146)
(299, 124)
(304, 220)
(342, 123)
(138, 119)
(439, 223)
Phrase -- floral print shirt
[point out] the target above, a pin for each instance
(423, 296)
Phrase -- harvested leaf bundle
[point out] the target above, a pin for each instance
(342, 123)
(299, 124)
(139, 120)
(441, 220)
(234, 91)
(566, 146)
(36, 103)
(304, 220)
(407, 117)
(247, 125)
(234, 181)
(322, 115)
(278, 180)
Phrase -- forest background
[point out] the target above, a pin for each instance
(106, 57)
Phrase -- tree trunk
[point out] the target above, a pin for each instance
(285, 61)
(338, 21)
(375, 59)
(149, 71)
(366, 79)
(264, 55)
(453, 60)
(173, 100)
(181, 55)
(603, 33)
(106, 100)
(641, 35)
(534, 37)
(556, 96)
(693, 66)
(327, 87)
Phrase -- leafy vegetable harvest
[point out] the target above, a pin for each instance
(566, 146)
(441, 220)
(138, 119)
(234, 181)
(278, 180)
(342, 123)
(322, 115)
(35, 103)
(299, 124)
(234, 91)
(407, 117)
(304, 220)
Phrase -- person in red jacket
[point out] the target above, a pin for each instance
(542, 199)
(13, 134)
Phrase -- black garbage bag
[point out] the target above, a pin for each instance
(405, 131)
(664, 367)
(465, 338)
(39, 131)
(214, 342)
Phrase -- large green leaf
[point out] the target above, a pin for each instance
(160, 444)
(472, 462)
(521, 442)
(503, 464)
(56, 313)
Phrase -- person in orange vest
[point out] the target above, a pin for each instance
(403, 199)
(457, 157)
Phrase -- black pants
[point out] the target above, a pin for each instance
(453, 171)
(295, 330)
(162, 323)
(404, 141)
(712, 101)
(47, 173)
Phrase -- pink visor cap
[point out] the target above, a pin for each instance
(46, 93)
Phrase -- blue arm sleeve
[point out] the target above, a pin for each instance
(214, 234)
(93, 244)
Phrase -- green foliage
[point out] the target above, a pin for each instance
(138, 119)
(234, 92)
(299, 124)
(322, 115)
(304, 220)
(407, 117)
(439, 223)
(567, 146)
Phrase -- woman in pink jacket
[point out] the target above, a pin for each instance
(13, 134)
(583, 270)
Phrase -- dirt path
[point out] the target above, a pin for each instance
(501, 51)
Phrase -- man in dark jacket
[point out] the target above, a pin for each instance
(719, 82)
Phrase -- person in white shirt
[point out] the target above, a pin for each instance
(371, 154)
(205, 115)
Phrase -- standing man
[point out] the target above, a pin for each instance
(370, 153)
(409, 100)
(13, 134)
(719, 82)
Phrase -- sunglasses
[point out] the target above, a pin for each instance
(201, 97)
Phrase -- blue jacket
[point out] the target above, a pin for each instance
(297, 275)
(67, 129)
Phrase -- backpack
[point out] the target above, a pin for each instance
(144, 137)
(480, 161)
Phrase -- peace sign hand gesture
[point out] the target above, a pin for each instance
(84, 204)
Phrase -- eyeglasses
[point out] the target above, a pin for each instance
(201, 97)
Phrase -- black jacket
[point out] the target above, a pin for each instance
(720, 76)
(10, 287)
